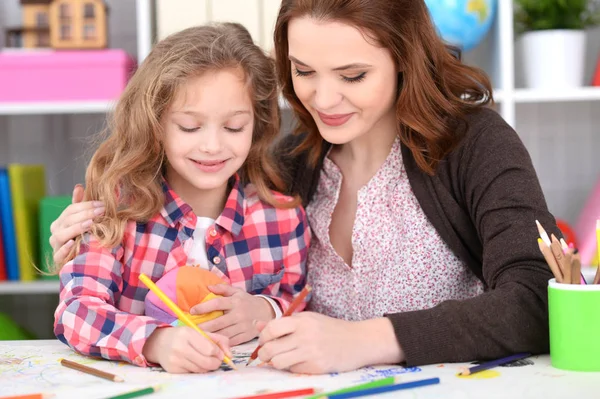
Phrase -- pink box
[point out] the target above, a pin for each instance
(30, 76)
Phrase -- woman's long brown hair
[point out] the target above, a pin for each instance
(435, 89)
(126, 170)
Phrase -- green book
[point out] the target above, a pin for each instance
(50, 210)
(27, 188)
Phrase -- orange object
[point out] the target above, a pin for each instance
(30, 396)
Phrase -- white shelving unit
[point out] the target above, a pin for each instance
(55, 108)
(29, 287)
(510, 96)
(144, 34)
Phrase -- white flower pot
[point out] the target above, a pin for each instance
(553, 59)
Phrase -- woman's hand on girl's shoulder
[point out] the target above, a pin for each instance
(76, 219)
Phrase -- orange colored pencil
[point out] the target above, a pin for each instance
(30, 396)
(90, 370)
(295, 303)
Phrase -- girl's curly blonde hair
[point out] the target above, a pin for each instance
(126, 170)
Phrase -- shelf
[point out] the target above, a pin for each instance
(564, 95)
(46, 108)
(30, 287)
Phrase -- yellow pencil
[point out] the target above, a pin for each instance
(179, 313)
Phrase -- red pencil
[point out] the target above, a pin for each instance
(281, 395)
(295, 303)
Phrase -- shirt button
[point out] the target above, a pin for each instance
(213, 233)
(216, 260)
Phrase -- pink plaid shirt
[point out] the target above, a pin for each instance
(252, 245)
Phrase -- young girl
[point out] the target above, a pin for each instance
(184, 177)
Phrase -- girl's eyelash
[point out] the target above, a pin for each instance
(355, 79)
(195, 129)
(190, 130)
(232, 130)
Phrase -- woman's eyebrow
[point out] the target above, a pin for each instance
(354, 65)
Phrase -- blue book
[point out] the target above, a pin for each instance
(8, 228)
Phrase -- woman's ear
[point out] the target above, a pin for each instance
(400, 83)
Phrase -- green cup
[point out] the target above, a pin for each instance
(574, 312)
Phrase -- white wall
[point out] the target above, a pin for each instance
(258, 16)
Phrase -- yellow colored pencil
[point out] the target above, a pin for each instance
(179, 313)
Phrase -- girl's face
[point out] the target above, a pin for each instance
(346, 82)
(208, 131)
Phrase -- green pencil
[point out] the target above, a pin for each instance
(136, 393)
(367, 385)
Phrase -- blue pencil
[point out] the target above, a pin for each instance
(384, 389)
(494, 363)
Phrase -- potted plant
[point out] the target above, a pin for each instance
(553, 40)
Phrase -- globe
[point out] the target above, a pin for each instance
(462, 23)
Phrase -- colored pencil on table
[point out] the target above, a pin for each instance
(136, 393)
(290, 310)
(179, 313)
(382, 382)
(597, 277)
(30, 396)
(385, 389)
(281, 395)
(494, 363)
(90, 370)
(545, 250)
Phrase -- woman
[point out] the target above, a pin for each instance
(421, 200)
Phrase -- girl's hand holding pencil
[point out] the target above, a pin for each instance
(184, 349)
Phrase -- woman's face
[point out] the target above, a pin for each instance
(346, 82)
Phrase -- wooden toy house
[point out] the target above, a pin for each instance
(61, 24)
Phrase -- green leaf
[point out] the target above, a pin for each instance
(556, 14)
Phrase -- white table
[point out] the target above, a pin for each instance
(39, 371)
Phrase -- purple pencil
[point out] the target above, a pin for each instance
(494, 363)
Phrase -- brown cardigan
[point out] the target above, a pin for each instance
(483, 200)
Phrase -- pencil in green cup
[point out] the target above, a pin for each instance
(382, 382)
(136, 393)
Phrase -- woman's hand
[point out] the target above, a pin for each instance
(183, 350)
(76, 219)
(241, 310)
(310, 343)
